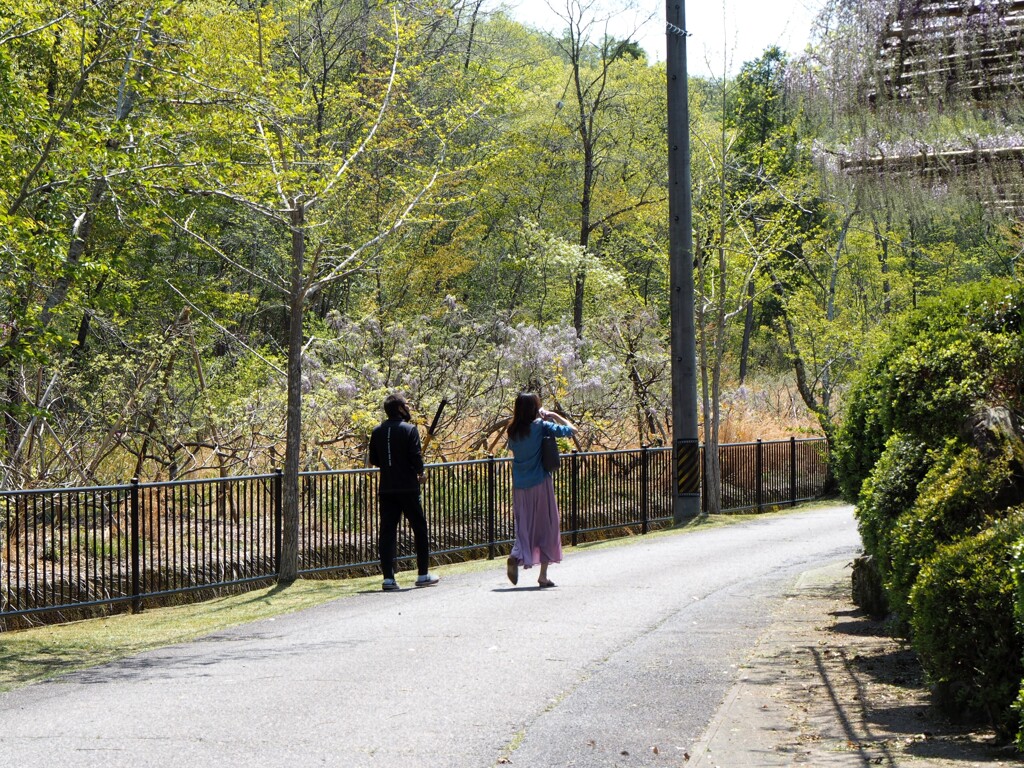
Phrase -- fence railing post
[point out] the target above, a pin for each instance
(278, 518)
(792, 471)
(491, 506)
(134, 545)
(759, 471)
(645, 495)
(574, 497)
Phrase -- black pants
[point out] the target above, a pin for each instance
(392, 507)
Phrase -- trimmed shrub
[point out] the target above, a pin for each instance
(931, 449)
(963, 624)
(957, 497)
(889, 492)
(861, 437)
(938, 364)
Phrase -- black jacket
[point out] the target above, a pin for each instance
(395, 448)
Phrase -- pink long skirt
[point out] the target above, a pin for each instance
(538, 535)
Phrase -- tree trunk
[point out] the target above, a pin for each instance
(882, 239)
(12, 428)
(577, 302)
(711, 471)
(806, 390)
(714, 352)
(645, 424)
(748, 331)
(288, 567)
(586, 199)
(707, 356)
(712, 475)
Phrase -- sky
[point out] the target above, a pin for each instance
(723, 34)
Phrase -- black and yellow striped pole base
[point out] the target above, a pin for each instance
(688, 468)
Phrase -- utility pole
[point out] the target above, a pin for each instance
(680, 238)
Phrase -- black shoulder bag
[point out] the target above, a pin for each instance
(549, 457)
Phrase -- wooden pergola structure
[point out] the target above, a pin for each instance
(951, 50)
(944, 55)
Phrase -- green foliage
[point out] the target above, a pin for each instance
(864, 431)
(153, 154)
(1017, 572)
(934, 368)
(958, 497)
(964, 626)
(931, 449)
(888, 493)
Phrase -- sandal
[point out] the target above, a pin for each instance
(545, 583)
(512, 569)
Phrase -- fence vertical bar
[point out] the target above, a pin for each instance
(792, 471)
(574, 496)
(645, 496)
(491, 506)
(759, 472)
(278, 523)
(704, 477)
(134, 525)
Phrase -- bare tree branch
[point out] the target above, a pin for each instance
(222, 329)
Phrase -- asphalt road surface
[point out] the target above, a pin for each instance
(622, 664)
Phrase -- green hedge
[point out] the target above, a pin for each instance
(964, 625)
(930, 449)
(864, 431)
(955, 499)
(888, 492)
(937, 365)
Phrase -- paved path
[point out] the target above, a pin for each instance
(623, 664)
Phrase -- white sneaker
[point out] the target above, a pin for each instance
(427, 580)
(390, 585)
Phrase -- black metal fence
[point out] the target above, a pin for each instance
(769, 473)
(78, 547)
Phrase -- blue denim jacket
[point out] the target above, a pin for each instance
(527, 470)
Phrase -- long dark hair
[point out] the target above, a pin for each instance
(526, 409)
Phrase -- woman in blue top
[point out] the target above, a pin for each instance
(538, 533)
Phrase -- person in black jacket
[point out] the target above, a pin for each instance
(395, 448)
